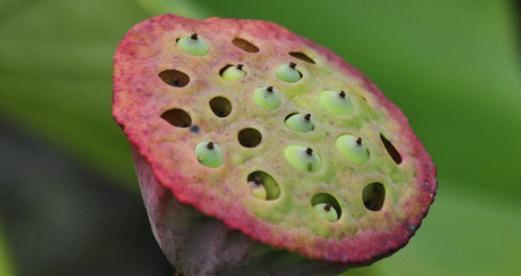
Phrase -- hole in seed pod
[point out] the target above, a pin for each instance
(302, 56)
(245, 45)
(263, 185)
(177, 117)
(174, 78)
(327, 206)
(393, 152)
(373, 196)
(249, 137)
(221, 106)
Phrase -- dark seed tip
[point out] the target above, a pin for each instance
(194, 36)
(269, 89)
(307, 116)
(327, 207)
(292, 65)
(342, 94)
(359, 141)
(240, 66)
(309, 151)
(210, 146)
(257, 180)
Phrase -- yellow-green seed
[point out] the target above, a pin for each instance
(300, 122)
(288, 73)
(326, 211)
(267, 98)
(235, 72)
(302, 158)
(194, 45)
(336, 102)
(209, 154)
(352, 148)
(258, 190)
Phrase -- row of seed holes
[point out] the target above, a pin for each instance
(373, 194)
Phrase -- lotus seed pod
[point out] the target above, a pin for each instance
(319, 175)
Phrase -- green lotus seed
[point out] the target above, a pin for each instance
(326, 211)
(352, 148)
(267, 98)
(288, 72)
(193, 45)
(300, 122)
(302, 158)
(336, 102)
(234, 72)
(258, 189)
(209, 154)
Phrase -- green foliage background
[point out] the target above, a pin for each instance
(452, 66)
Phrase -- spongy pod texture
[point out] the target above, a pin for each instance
(260, 152)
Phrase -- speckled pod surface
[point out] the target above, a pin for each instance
(271, 138)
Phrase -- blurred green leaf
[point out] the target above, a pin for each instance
(6, 268)
(185, 8)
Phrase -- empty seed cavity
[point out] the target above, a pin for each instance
(174, 78)
(302, 158)
(327, 207)
(336, 102)
(249, 137)
(177, 117)
(373, 196)
(209, 154)
(393, 152)
(353, 148)
(221, 106)
(288, 73)
(302, 56)
(263, 186)
(245, 45)
(193, 45)
(232, 72)
(267, 97)
(300, 122)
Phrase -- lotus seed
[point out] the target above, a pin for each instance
(326, 211)
(233, 72)
(193, 45)
(267, 98)
(352, 148)
(257, 188)
(209, 154)
(302, 158)
(300, 122)
(336, 102)
(288, 72)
